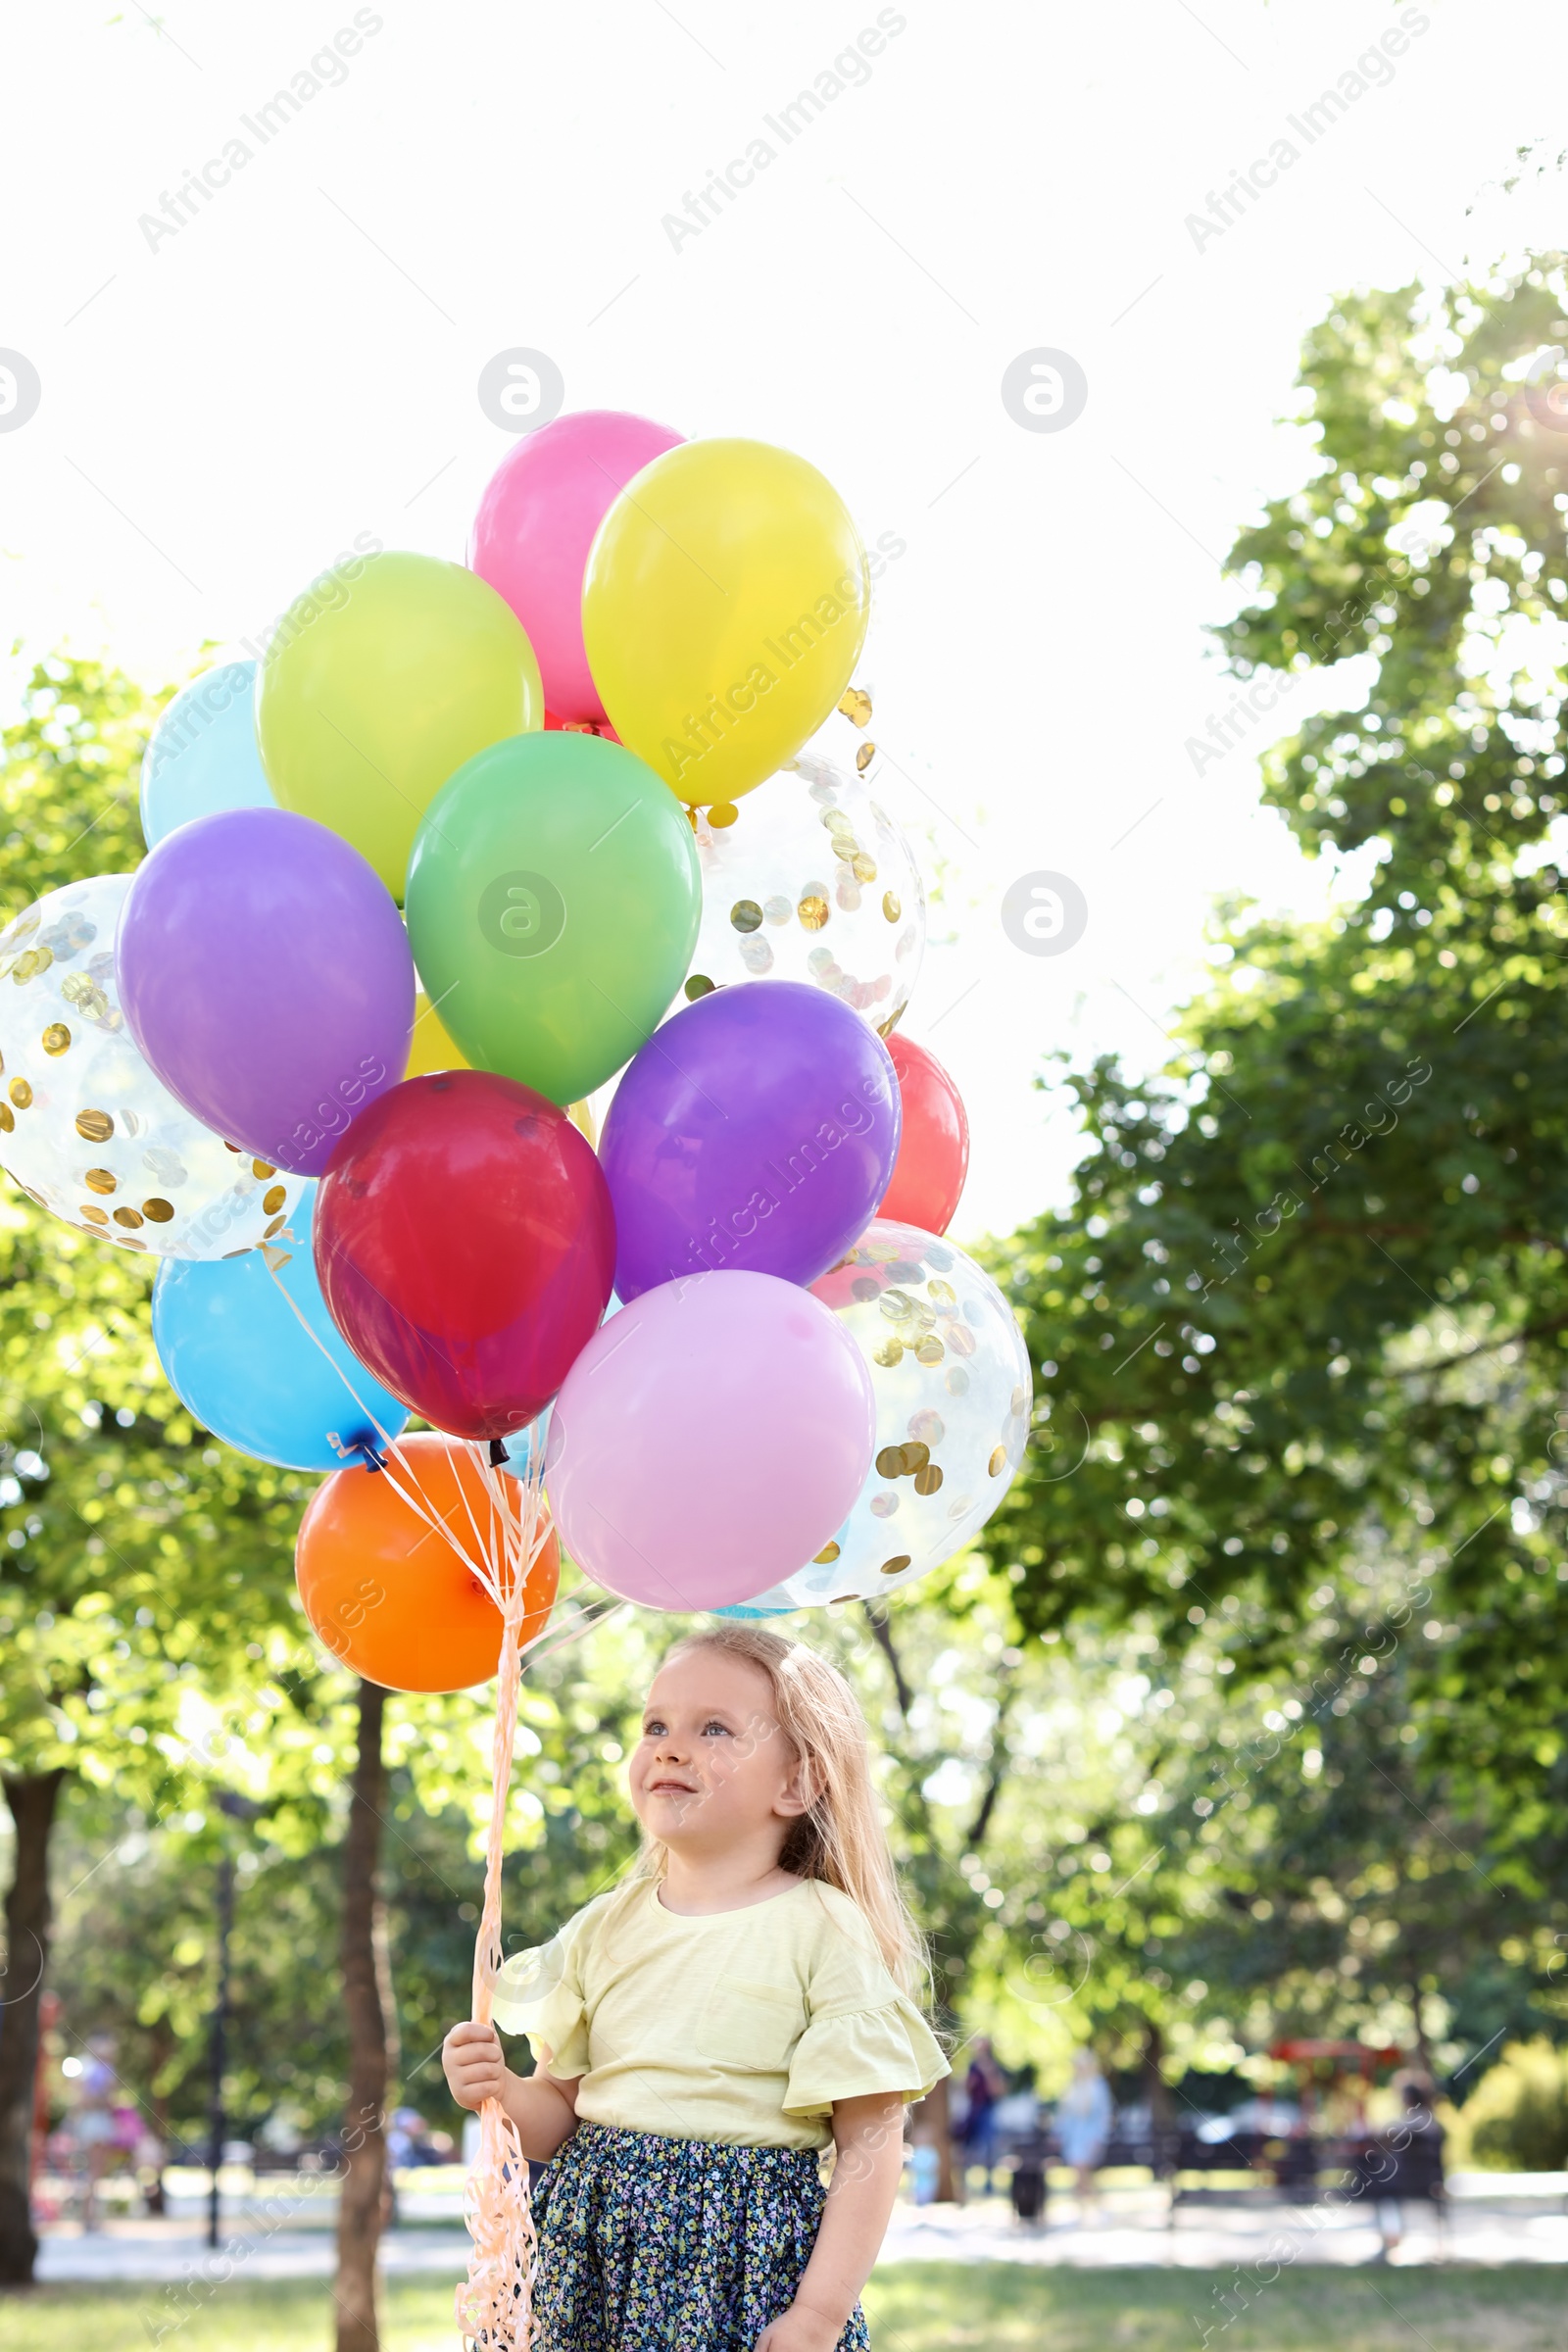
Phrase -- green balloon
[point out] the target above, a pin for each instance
(553, 904)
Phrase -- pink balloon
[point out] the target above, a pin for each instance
(536, 522)
(710, 1439)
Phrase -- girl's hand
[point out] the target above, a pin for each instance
(801, 2330)
(868, 2135)
(475, 2069)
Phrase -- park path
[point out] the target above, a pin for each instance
(1128, 2229)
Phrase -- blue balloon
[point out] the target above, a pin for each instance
(526, 1446)
(238, 1357)
(203, 756)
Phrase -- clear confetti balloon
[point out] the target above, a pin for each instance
(951, 1376)
(87, 1130)
(810, 880)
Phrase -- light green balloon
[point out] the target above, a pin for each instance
(382, 680)
(553, 898)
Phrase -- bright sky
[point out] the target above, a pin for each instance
(225, 407)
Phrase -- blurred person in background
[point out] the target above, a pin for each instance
(1083, 2125)
(1406, 2166)
(925, 2164)
(984, 2084)
(95, 2126)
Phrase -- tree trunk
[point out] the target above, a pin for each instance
(358, 2224)
(884, 1640)
(31, 1800)
(394, 2049)
(999, 1765)
(163, 2049)
(935, 2111)
(1423, 2048)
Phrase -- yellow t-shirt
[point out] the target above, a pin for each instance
(738, 2026)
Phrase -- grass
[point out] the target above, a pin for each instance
(1003, 2307)
(913, 2307)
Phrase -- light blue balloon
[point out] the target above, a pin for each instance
(239, 1359)
(203, 756)
(526, 1446)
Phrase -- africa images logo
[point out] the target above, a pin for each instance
(1045, 913)
(523, 913)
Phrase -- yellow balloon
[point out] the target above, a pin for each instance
(430, 1049)
(382, 680)
(724, 604)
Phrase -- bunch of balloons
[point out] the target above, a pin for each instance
(468, 843)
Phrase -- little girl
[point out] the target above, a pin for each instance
(704, 2029)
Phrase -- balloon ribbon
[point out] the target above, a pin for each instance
(495, 2303)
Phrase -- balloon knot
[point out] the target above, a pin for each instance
(364, 1449)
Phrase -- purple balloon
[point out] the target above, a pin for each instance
(757, 1129)
(265, 975)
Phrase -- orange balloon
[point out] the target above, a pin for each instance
(389, 1596)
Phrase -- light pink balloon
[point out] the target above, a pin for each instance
(709, 1441)
(536, 522)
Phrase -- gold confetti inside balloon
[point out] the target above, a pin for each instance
(953, 1395)
(813, 881)
(87, 1131)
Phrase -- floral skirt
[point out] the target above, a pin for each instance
(647, 2244)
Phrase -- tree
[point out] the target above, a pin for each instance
(366, 1993)
(141, 1564)
(1306, 1308)
(142, 1568)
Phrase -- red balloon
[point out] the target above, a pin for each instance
(934, 1152)
(465, 1246)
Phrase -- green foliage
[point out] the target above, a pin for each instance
(1517, 2116)
(1430, 531)
(68, 780)
(141, 1564)
(1363, 1147)
(1301, 1331)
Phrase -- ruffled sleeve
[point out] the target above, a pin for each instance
(848, 2056)
(540, 1994)
(863, 2036)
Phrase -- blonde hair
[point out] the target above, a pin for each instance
(840, 1839)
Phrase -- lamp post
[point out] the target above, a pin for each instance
(238, 1808)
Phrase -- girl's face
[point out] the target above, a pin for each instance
(714, 1766)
